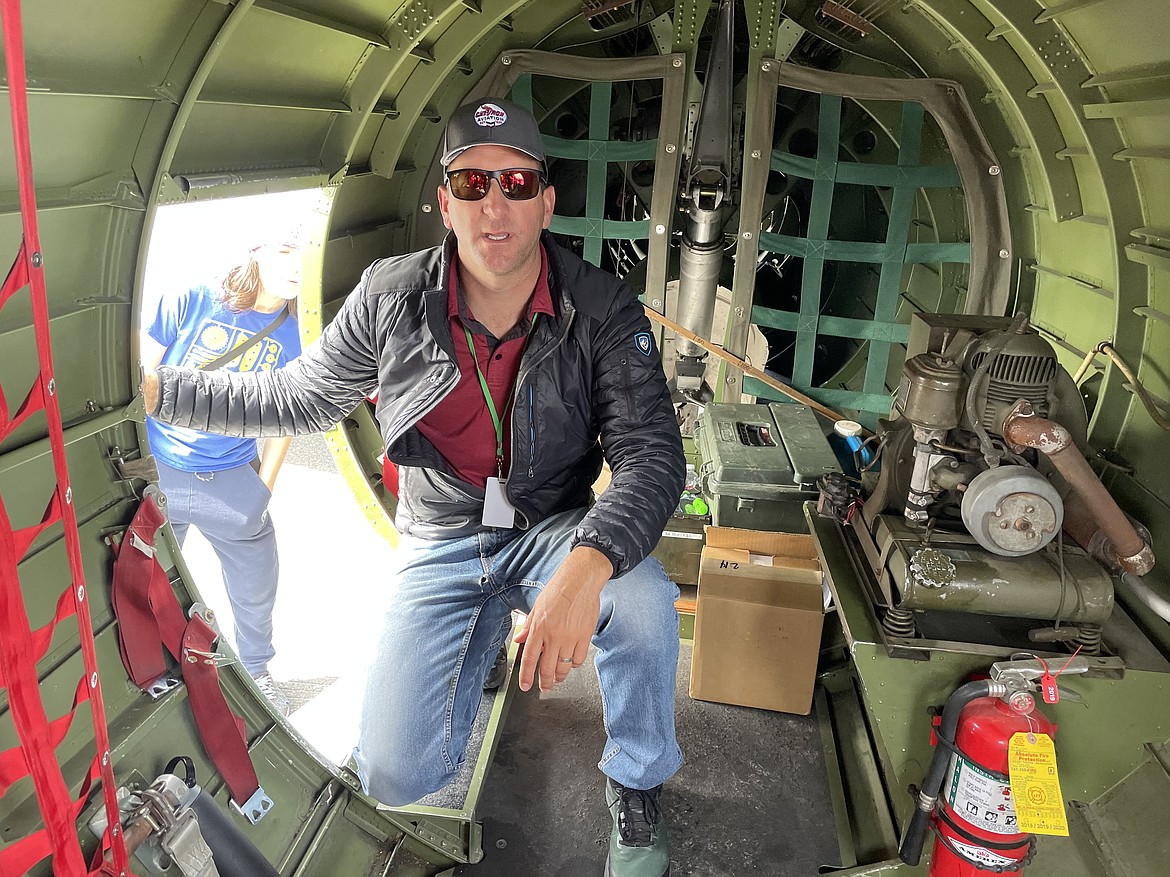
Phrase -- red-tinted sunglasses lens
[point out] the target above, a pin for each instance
(471, 184)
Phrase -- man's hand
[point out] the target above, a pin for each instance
(564, 618)
(150, 389)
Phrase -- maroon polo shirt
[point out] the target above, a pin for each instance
(460, 427)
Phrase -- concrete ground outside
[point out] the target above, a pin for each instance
(334, 575)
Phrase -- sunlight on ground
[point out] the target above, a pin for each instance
(334, 578)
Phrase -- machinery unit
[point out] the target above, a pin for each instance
(984, 505)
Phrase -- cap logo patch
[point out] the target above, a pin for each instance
(643, 343)
(490, 116)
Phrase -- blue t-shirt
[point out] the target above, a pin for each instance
(196, 327)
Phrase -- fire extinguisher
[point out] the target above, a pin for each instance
(966, 797)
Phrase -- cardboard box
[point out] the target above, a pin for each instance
(758, 620)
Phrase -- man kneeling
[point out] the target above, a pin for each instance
(506, 369)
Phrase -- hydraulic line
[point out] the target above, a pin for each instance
(708, 188)
(1130, 376)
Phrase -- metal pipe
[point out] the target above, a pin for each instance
(921, 494)
(701, 259)
(1023, 429)
(1122, 366)
(707, 187)
(1156, 603)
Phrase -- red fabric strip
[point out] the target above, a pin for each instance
(139, 638)
(16, 659)
(19, 857)
(26, 535)
(14, 766)
(43, 636)
(17, 276)
(228, 751)
(33, 402)
(18, 666)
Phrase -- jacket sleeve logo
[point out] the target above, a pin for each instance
(644, 343)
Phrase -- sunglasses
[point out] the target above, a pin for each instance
(517, 183)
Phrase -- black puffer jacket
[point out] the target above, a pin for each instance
(590, 384)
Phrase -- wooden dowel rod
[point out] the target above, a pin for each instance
(745, 367)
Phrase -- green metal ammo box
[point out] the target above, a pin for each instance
(760, 463)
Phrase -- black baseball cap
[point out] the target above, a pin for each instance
(492, 121)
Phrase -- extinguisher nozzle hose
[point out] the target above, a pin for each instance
(911, 849)
(912, 842)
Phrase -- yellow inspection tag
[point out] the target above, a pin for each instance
(1035, 785)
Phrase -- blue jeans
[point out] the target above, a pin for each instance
(448, 617)
(230, 509)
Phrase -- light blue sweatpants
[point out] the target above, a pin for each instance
(230, 509)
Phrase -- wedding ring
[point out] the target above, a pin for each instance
(565, 660)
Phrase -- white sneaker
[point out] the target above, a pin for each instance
(268, 688)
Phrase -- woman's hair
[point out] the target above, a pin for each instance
(241, 285)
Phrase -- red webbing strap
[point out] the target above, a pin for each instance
(18, 666)
(33, 402)
(149, 616)
(148, 613)
(17, 277)
(14, 765)
(228, 751)
(19, 857)
(44, 635)
(16, 657)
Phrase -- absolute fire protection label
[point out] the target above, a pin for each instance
(1036, 785)
(979, 798)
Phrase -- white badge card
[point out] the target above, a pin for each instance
(497, 511)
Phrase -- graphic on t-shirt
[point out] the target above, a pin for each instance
(216, 338)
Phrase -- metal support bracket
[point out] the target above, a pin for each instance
(256, 807)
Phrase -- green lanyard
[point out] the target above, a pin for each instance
(497, 421)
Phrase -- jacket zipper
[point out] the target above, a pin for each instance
(531, 431)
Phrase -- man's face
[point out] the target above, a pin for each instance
(498, 238)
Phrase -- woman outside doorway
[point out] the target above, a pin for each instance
(218, 484)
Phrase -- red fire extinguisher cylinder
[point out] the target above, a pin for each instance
(975, 821)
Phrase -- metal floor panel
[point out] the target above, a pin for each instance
(752, 797)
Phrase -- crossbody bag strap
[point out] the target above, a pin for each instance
(225, 358)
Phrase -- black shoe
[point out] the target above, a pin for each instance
(499, 672)
(638, 844)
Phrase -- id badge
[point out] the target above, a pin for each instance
(497, 511)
